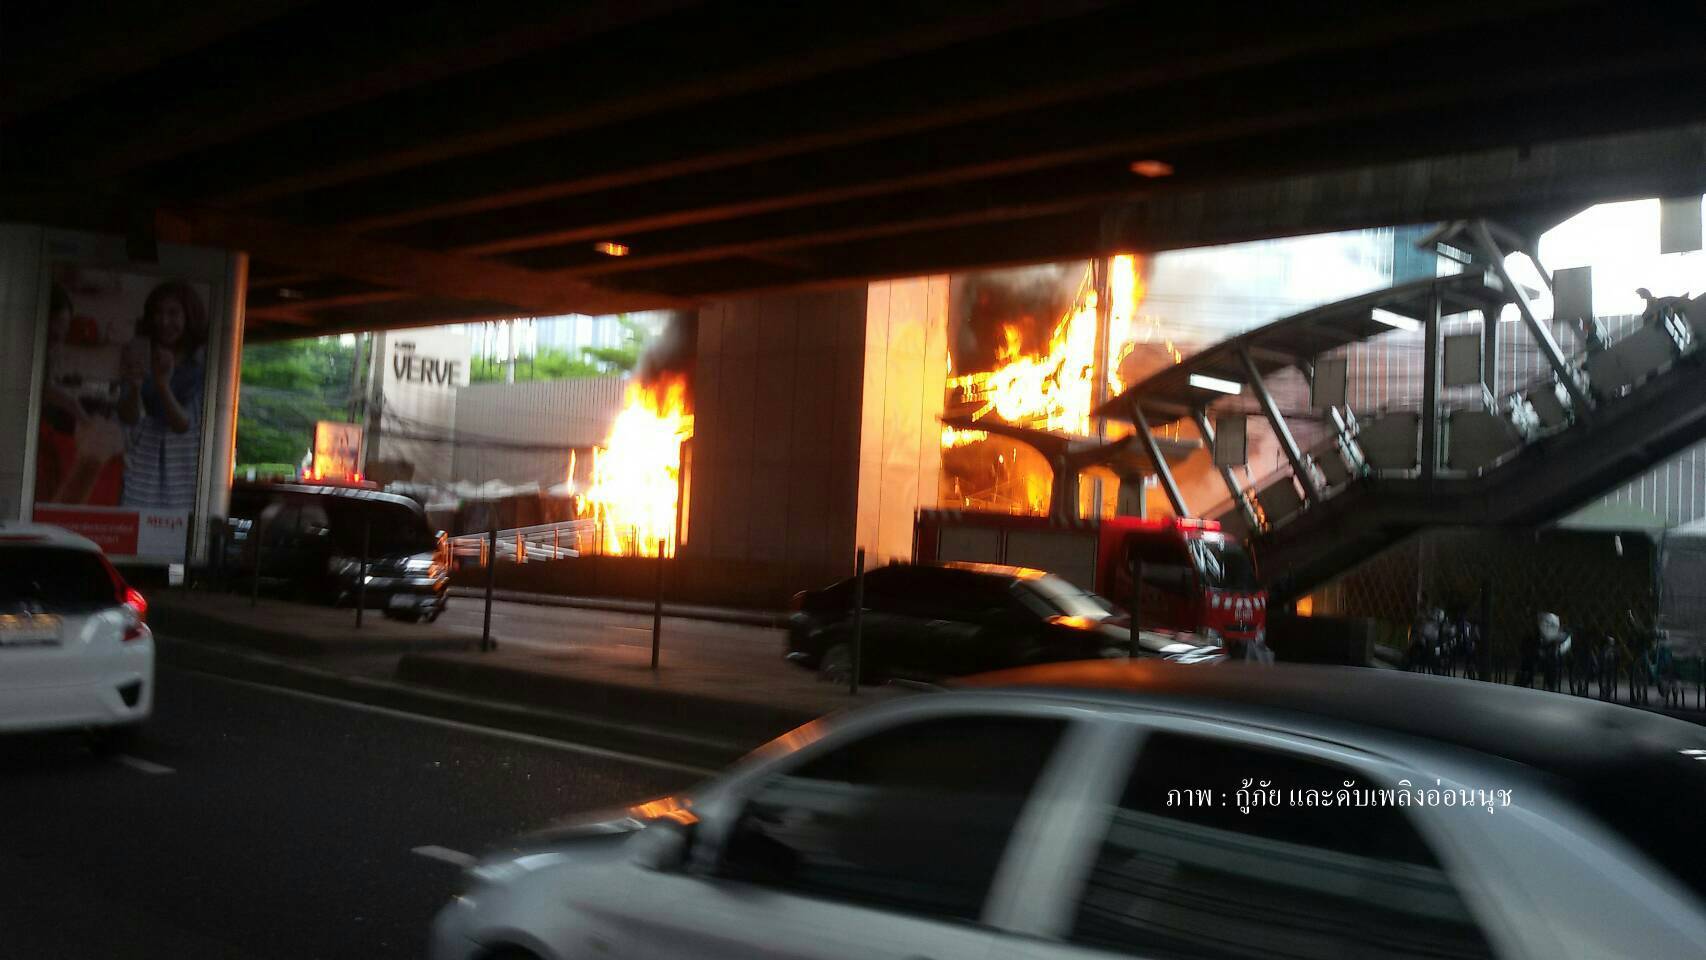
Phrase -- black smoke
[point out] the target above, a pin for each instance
(673, 349)
(1030, 299)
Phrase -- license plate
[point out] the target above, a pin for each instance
(402, 601)
(29, 631)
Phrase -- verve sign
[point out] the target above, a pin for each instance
(407, 366)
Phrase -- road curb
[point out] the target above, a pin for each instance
(755, 618)
(186, 622)
(681, 746)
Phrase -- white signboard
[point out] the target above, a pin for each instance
(422, 371)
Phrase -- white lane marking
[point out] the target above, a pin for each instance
(445, 854)
(145, 766)
(527, 738)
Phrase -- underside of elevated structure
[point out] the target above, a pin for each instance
(394, 164)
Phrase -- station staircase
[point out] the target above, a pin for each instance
(1648, 395)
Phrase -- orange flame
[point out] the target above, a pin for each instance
(636, 475)
(1055, 390)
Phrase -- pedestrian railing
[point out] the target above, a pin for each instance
(544, 541)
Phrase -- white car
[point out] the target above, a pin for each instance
(1115, 809)
(75, 652)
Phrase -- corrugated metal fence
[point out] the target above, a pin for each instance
(520, 432)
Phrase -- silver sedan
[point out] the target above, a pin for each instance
(1132, 809)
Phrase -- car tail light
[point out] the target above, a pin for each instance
(135, 612)
(134, 599)
(131, 599)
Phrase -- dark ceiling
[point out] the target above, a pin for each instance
(396, 163)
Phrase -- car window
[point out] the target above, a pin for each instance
(968, 596)
(312, 521)
(1166, 563)
(884, 588)
(53, 580)
(913, 819)
(905, 589)
(278, 523)
(1223, 564)
(392, 528)
(1063, 597)
(1184, 872)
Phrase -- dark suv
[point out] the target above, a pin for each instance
(309, 542)
(927, 621)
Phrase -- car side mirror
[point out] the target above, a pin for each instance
(666, 845)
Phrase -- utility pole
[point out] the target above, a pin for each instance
(1101, 283)
(375, 399)
(509, 368)
(355, 391)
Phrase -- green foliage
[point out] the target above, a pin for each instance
(554, 364)
(547, 364)
(286, 387)
(624, 358)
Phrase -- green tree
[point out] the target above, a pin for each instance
(554, 364)
(286, 387)
(626, 356)
(547, 364)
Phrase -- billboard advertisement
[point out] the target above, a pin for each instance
(123, 399)
(337, 450)
(420, 373)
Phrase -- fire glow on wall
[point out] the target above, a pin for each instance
(636, 474)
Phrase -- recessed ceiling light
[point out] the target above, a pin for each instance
(1206, 382)
(1152, 168)
(611, 249)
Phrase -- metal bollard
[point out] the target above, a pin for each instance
(657, 608)
(361, 579)
(858, 621)
(256, 531)
(486, 644)
(1136, 603)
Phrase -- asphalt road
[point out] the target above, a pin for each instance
(561, 628)
(257, 823)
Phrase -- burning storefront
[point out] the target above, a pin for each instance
(1035, 350)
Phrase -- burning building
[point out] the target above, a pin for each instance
(636, 497)
(1037, 349)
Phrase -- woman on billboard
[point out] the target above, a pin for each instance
(164, 371)
(81, 453)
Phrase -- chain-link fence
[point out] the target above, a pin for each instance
(1592, 581)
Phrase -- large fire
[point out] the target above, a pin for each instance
(1055, 390)
(636, 475)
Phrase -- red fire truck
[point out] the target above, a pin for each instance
(1195, 579)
